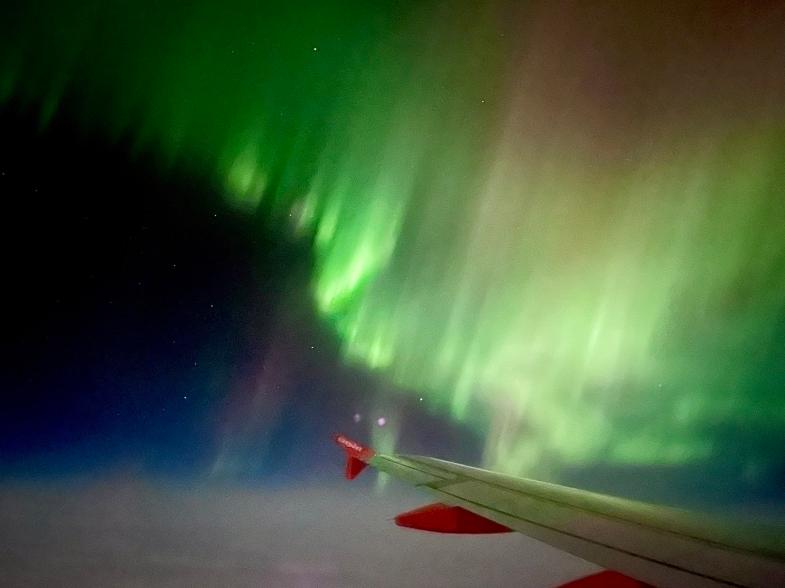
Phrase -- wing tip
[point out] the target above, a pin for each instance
(606, 579)
(357, 456)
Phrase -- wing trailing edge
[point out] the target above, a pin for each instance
(441, 518)
(606, 579)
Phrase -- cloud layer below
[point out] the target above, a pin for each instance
(130, 533)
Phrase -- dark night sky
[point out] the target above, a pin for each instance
(150, 328)
(144, 316)
(124, 299)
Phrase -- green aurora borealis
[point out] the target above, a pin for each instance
(561, 225)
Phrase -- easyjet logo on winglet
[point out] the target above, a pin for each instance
(349, 444)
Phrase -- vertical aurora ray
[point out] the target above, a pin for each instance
(563, 226)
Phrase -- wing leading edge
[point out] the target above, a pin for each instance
(661, 546)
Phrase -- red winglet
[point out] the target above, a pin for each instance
(357, 456)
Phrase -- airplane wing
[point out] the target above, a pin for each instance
(654, 545)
